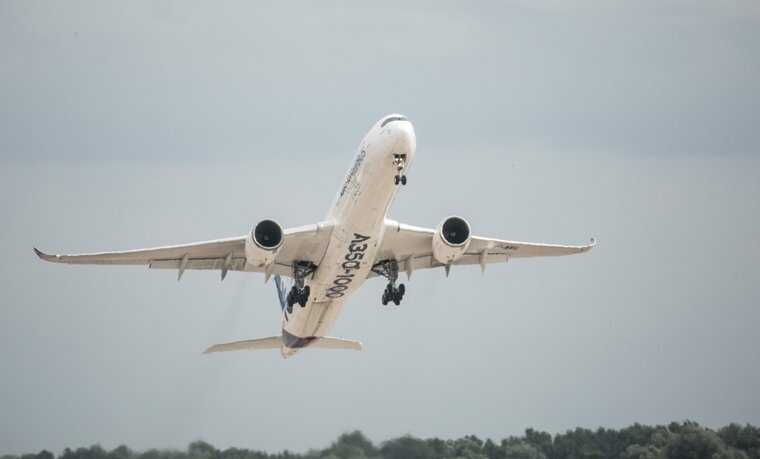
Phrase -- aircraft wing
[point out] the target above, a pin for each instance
(305, 243)
(412, 248)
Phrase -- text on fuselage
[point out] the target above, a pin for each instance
(352, 262)
(353, 171)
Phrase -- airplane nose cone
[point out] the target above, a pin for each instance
(402, 135)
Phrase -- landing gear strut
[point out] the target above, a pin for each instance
(300, 292)
(399, 162)
(389, 270)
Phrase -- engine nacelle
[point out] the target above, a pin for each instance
(263, 243)
(451, 239)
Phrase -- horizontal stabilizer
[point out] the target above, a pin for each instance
(328, 342)
(272, 342)
(275, 342)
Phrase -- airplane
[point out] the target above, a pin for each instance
(330, 260)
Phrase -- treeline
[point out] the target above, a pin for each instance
(676, 440)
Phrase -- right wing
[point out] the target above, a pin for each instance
(411, 246)
(305, 243)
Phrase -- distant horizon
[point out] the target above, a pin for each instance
(636, 440)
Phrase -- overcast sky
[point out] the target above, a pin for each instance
(134, 124)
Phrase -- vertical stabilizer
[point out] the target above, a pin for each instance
(281, 294)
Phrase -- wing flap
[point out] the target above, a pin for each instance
(236, 264)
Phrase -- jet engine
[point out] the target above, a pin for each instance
(263, 243)
(451, 239)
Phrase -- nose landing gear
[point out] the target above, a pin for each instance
(389, 270)
(399, 162)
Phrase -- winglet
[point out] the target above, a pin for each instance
(591, 245)
(43, 256)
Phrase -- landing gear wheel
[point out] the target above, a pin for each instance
(396, 179)
(291, 300)
(389, 270)
(303, 297)
(300, 291)
(403, 179)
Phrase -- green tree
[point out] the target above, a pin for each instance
(520, 449)
(541, 440)
(691, 441)
(641, 452)
(407, 447)
(353, 445)
(201, 450)
(745, 438)
(121, 452)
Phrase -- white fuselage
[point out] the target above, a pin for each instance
(357, 221)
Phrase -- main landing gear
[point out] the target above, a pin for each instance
(300, 296)
(399, 162)
(300, 292)
(395, 294)
(389, 270)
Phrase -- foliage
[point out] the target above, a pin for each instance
(686, 440)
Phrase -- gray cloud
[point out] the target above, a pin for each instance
(203, 81)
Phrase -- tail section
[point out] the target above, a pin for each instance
(275, 342)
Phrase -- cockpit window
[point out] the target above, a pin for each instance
(393, 118)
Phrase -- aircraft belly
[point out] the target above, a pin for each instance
(351, 252)
(335, 280)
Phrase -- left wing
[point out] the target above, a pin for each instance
(305, 243)
(411, 247)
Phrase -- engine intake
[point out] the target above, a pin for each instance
(451, 239)
(263, 243)
(267, 234)
(455, 231)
